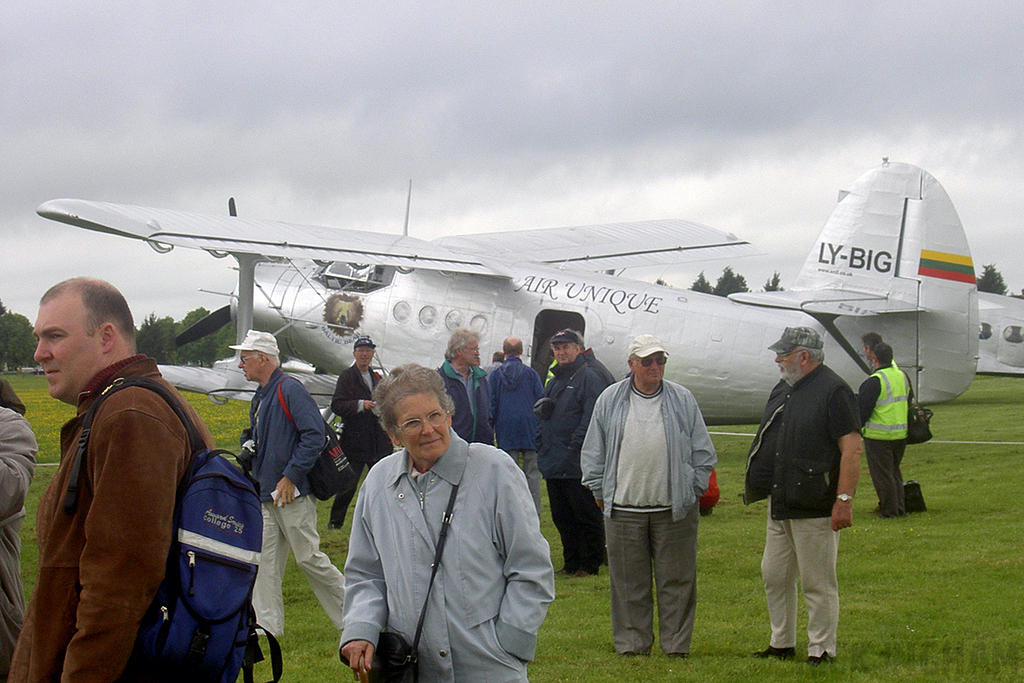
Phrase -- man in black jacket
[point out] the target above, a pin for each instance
(806, 460)
(572, 392)
(362, 438)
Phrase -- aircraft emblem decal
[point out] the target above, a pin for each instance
(947, 266)
(343, 312)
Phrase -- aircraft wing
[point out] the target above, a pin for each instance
(225, 381)
(828, 302)
(164, 229)
(604, 247)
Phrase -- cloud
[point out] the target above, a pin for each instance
(745, 116)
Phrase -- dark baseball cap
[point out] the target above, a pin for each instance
(364, 341)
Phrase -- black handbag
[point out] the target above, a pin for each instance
(394, 659)
(918, 423)
(331, 473)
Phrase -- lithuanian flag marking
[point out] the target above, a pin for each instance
(946, 266)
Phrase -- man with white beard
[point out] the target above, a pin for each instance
(805, 460)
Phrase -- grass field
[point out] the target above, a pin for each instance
(934, 597)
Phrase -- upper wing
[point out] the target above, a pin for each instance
(604, 247)
(228, 234)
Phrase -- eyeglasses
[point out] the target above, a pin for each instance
(658, 358)
(414, 426)
(246, 359)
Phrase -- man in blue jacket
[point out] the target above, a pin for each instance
(514, 389)
(572, 393)
(288, 431)
(466, 383)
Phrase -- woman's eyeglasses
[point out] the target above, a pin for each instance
(415, 426)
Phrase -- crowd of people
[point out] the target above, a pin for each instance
(445, 549)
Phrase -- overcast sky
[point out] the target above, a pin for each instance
(746, 116)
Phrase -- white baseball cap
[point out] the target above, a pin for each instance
(255, 340)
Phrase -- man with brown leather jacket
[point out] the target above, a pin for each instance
(100, 567)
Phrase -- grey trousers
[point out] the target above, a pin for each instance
(637, 544)
(527, 460)
(884, 458)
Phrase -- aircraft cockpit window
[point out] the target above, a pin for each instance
(1013, 334)
(351, 277)
(986, 331)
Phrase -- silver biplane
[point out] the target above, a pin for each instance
(892, 258)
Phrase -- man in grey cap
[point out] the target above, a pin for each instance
(289, 433)
(805, 460)
(647, 457)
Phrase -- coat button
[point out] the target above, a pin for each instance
(444, 653)
(401, 496)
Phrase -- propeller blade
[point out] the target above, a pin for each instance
(205, 326)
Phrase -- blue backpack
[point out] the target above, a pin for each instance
(201, 625)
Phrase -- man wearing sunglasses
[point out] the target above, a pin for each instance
(647, 457)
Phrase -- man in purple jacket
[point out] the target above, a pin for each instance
(515, 387)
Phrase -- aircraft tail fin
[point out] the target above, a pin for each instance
(895, 234)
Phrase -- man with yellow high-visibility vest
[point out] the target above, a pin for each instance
(883, 410)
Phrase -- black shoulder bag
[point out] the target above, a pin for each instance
(394, 659)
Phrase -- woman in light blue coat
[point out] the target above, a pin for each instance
(495, 580)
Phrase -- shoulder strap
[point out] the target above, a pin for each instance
(446, 522)
(284, 404)
(194, 437)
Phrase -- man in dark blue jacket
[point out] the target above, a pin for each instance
(466, 383)
(572, 392)
(288, 431)
(514, 389)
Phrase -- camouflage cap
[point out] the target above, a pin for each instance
(793, 337)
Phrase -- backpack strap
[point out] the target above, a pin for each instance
(194, 437)
(254, 654)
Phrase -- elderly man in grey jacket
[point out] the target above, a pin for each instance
(647, 457)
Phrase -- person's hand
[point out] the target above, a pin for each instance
(284, 492)
(842, 515)
(369, 405)
(359, 654)
(600, 503)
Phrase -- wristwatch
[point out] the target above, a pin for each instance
(845, 497)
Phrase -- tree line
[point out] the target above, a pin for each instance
(154, 337)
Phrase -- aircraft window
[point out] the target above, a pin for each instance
(356, 278)
(1013, 335)
(479, 323)
(428, 314)
(986, 331)
(453, 320)
(402, 311)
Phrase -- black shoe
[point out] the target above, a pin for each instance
(823, 658)
(679, 655)
(334, 525)
(777, 653)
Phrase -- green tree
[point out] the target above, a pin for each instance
(701, 284)
(729, 282)
(210, 348)
(991, 281)
(17, 344)
(772, 284)
(155, 338)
